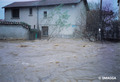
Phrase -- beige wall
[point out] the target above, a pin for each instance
(77, 16)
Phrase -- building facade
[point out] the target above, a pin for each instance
(38, 13)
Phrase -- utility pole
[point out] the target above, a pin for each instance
(101, 5)
(100, 28)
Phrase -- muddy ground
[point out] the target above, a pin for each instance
(59, 60)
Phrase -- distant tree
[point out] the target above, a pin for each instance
(94, 22)
(115, 34)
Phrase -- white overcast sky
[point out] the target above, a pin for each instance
(6, 2)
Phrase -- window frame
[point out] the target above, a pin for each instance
(45, 14)
(14, 12)
(30, 11)
(45, 31)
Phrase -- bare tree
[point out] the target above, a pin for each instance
(57, 20)
(94, 21)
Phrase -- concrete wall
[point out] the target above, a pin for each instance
(13, 32)
(77, 16)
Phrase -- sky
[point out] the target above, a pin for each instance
(6, 2)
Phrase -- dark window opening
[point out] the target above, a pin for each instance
(45, 14)
(34, 26)
(15, 13)
(5, 10)
(45, 30)
(30, 11)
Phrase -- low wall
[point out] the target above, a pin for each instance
(13, 32)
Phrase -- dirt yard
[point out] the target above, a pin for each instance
(60, 60)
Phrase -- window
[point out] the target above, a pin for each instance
(34, 26)
(45, 14)
(30, 11)
(5, 10)
(15, 13)
(45, 30)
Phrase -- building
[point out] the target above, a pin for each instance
(37, 14)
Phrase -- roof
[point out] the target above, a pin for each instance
(41, 3)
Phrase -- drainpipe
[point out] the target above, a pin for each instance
(37, 17)
(101, 11)
(38, 35)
